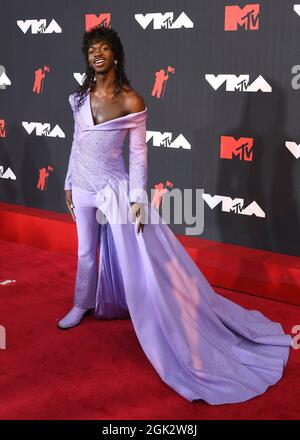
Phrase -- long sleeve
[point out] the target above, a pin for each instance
(68, 179)
(138, 163)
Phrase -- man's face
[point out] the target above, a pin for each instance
(100, 56)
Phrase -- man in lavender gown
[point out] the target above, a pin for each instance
(202, 345)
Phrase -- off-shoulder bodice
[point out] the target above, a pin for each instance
(97, 150)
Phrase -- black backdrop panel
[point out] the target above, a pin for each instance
(236, 143)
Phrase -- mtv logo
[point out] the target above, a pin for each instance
(92, 20)
(231, 148)
(246, 18)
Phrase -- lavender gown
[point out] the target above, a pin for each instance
(201, 344)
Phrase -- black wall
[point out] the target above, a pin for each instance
(190, 106)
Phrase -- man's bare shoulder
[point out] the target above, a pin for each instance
(133, 101)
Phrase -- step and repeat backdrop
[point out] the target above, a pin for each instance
(220, 78)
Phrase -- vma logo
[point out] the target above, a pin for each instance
(239, 83)
(43, 129)
(2, 128)
(79, 77)
(92, 20)
(241, 149)
(293, 148)
(8, 174)
(246, 18)
(39, 26)
(4, 80)
(164, 21)
(297, 9)
(165, 140)
(233, 205)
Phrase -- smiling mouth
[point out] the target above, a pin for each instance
(99, 63)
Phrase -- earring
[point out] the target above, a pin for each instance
(116, 61)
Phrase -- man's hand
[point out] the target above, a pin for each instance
(69, 203)
(139, 211)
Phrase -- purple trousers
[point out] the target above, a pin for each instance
(88, 233)
(99, 282)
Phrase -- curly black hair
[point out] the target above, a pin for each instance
(101, 32)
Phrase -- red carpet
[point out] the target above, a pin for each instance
(239, 268)
(98, 370)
